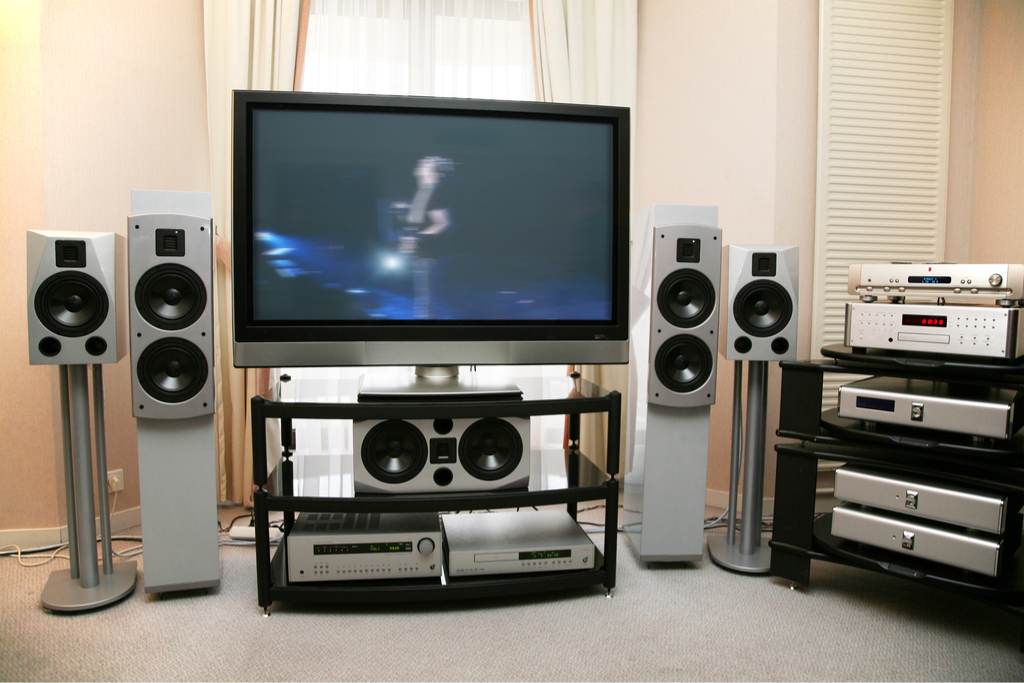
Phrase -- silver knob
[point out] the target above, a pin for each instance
(995, 279)
(425, 546)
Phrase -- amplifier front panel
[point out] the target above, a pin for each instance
(984, 512)
(909, 537)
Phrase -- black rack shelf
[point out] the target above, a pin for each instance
(584, 481)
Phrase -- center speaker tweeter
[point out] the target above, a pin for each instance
(425, 456)
(762, 308)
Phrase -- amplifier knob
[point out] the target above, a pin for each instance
(425, 546)
(995, 279)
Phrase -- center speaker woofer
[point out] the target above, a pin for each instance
(170, 273)
(666, 481)
(763, 306)
(424, 455)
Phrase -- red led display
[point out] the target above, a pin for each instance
(925, 320)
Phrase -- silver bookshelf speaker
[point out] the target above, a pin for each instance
(763, 303)
(666, 480)
(76, 284)
(170, 268)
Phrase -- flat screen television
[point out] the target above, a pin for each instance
(373, 231)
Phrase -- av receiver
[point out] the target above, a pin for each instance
(1000, 281)
(993, 412)
(983, 331)
(515, 543)
(347, 546)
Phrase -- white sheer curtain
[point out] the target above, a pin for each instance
(250, 44)
(450, 48)
(586, 54)
(445, 48)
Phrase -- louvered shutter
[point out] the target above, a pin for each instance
(883, 132)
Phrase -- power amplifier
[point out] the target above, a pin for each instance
(983, 331)
(348, 546)
(515, 543)
(964, 409)
(999, 281)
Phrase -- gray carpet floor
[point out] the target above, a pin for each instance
(687, 621)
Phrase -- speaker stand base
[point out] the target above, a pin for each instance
(730, 557)
(64, 594)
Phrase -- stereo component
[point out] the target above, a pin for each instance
(763, 303)
(76, 294)
(676, 283)
(350, 546)
(424, 455)
(982, 331)
(927, 500)
(1000, 281)
(964, 550)
(515, 543)
(992, 412)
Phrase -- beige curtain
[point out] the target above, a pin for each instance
(585, 53)
(250, 45)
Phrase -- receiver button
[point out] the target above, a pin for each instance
(425, 546)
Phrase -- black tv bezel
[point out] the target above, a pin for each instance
(248, 332)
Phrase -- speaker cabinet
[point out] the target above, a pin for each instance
(170, 263)
(425, 456)
(170, 271)
(763, 303)
(667, 453)
(76, 285)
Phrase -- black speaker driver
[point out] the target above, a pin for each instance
(763, 308)
(684, 363)
(170, 297)
(394, 451)
(71, 304)
(686, 298)
(172, 370)
(490, 449)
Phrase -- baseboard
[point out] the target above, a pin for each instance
(43, 538)
(720, 499)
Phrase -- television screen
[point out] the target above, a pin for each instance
(361, 222)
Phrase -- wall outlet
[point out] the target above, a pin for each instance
(115, 481)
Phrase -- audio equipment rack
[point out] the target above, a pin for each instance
(584, 481)
(985, 465)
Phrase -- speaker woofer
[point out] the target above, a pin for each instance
(394, 451)
(172, 370)
(170, 297)
(763, 308)
(684, 363)
(490, 449)
(71, 304)
(686, 298)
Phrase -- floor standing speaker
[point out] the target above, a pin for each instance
(170, 272)
(665, 485)
(76, 318)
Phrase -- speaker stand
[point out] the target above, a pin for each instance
(750, 556)
(82, 587)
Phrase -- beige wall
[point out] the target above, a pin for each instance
(98, 98)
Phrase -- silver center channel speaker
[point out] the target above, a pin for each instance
(666, 480)
(170, 270)
(432, 456)
(76, 311)
(762, 308)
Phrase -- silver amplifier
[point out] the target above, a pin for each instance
(939, 502)
(981, 331)
(1002, 282)
(961, 408)
(515, 543)
(907, 536)
(348, 546)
